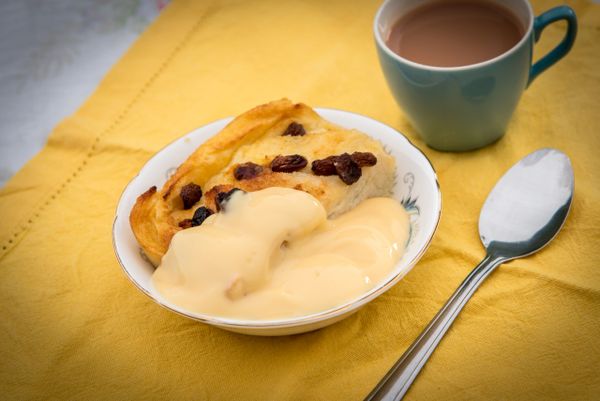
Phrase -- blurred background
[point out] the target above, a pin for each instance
(53, 54)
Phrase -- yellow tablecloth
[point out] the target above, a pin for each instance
(73, 326)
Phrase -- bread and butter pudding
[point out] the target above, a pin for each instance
(286, 156)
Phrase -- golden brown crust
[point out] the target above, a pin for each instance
(256, 136)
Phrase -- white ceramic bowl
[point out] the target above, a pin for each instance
(416, 187)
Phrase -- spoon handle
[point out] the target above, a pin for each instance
(399, 378)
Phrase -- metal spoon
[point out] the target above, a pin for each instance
(523, 213)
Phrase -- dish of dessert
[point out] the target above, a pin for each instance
(282, 220)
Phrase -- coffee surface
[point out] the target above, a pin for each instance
(455, 33)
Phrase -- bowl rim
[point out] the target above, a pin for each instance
(294, 321)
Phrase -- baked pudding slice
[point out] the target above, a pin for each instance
(278, 144)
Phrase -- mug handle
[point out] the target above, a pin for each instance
(542, 21)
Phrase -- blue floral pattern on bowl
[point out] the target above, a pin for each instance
(411, 205)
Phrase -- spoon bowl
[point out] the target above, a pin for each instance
(528, 205)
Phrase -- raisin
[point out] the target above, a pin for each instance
(223, 197)
(324, 166)
(347, 169)
(364, 159)
(187, 223)
(288, 164)
(294, 129)
(200, 215)
(246, 171)
(190, 194)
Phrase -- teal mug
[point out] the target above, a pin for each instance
(468, 107)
